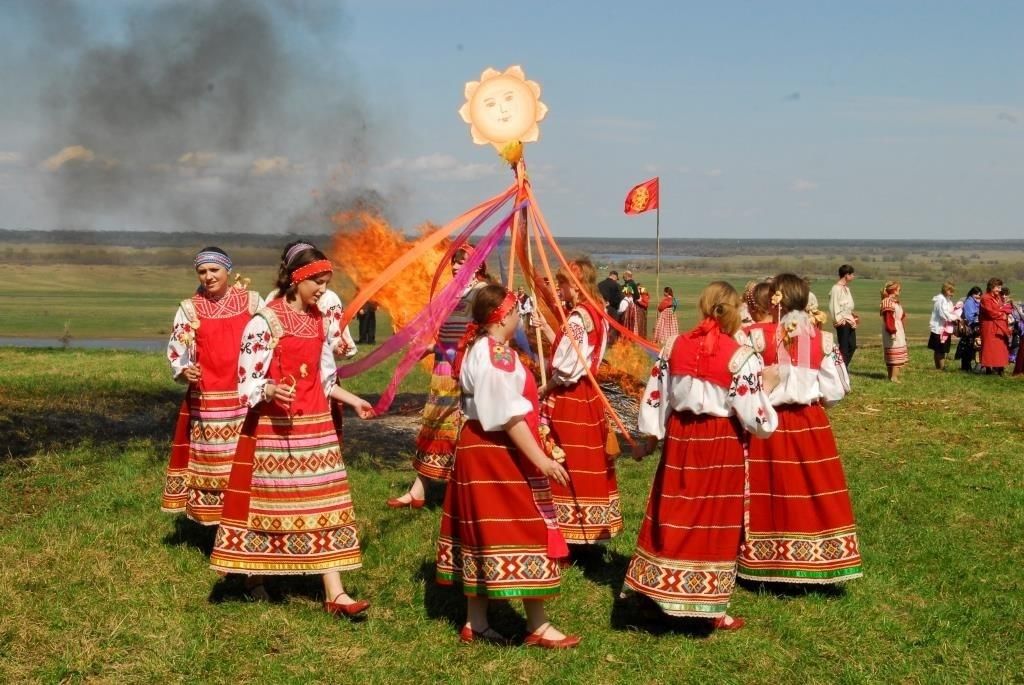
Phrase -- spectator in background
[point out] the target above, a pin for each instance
(525, 307)
(894, 337)
(667, 325)
(1016, 320)
(634, 289)
(840, 308)
(611, 291)
(643, 303)
(965, 349)
(995, 328)
(939, 325)
(367, 316)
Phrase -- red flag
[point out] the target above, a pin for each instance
(643, 197)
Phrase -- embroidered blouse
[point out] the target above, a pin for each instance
(744, 398)
(331, 307)
(567, 367)
(493, 380)
(257, 354)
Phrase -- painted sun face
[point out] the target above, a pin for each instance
(503, 108)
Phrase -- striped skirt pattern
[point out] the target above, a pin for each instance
(435, 444)
(685, 558)
(493, 538)
(216, 420)
(588, 510)
(801, 527)
(288, 509)
(175, 494)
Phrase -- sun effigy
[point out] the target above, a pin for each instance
(503, 108)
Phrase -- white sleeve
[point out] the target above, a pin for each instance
(566, 364)
(328, 369)
(833, 378)
(834, 307)
(748, 400)
(654, 405)
(179, 347)
(254, 360)
(947, 311)
(332, 308)
(497, 394)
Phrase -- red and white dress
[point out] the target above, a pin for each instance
(499, 536)
(703, 397)
(801, 527)
(206, 332)
(442, 416)
(894, 337)
(288, 509)
(588, 510)
(667, 325)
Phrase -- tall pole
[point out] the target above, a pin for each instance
(657, 247)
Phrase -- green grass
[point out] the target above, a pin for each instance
(96, 585)
(139, 302)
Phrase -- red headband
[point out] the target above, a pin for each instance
(320, 266)
(503, 309)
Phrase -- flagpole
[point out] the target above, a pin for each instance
(657, 244)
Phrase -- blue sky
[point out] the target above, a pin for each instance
(768, 120)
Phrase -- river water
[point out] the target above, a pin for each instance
(89, 343)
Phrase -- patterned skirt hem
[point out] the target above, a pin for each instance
(448, 579)
(574, 535)
(203, 521)
(318, 568)
(681, 609)
(776, 575)
(170, 507)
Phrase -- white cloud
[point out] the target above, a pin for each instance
(802, 185)
(78, 154)
(272, 166)
(197, 159)
(441, 167)
(9, 157)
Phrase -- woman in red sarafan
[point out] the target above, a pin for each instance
(288, 509)
(704, 398)
(442, 415)
(801, 527)
(203, 352)
(499, 535)
(588, 509)
(995, 328)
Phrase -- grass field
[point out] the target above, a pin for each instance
(139, 302)
(96, 585)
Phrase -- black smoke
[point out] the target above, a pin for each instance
(223, 115)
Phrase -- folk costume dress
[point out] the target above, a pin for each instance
(894, 337)
(442, 416)
(206, 332)
(703, 397)
(995, 331)
(288, 509)
(499, 536)
(588, 510)
(667, 325)
(800, 526)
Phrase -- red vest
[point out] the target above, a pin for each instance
(690, 358)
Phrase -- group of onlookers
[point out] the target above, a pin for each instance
(989, 324)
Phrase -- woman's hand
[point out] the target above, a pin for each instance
(192, 373)
(363, 409)
(770, 378)
(341, 347)
(556, 472)
(283, 395)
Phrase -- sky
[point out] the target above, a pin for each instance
(780, 120)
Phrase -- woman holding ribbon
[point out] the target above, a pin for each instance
(705, 398)
(499, 534)
(203, 352)
(442, 416)
(588, 509)
(288, 509)
(801, 527)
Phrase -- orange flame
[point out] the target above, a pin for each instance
(628, 366)
(365, 244)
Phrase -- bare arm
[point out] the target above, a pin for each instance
(523, 439)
